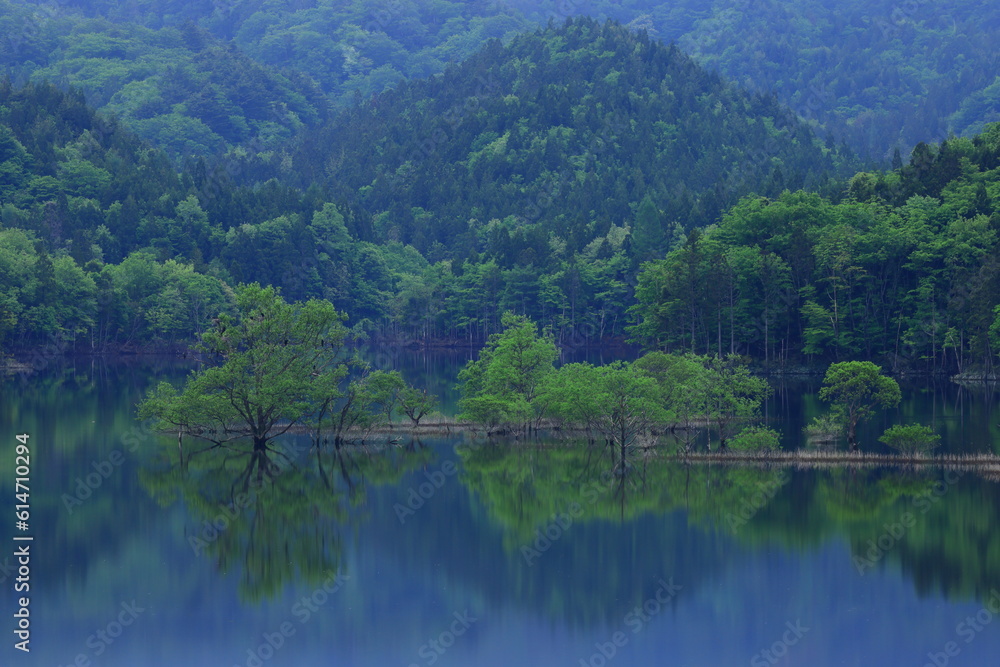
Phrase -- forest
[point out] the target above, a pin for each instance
(585, 174)
(878, 74)
(902, 269)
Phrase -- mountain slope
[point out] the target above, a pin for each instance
(178, 87)
(879, 73)
(346, 47)
(904, 270)
(102, 239)
(558, 136)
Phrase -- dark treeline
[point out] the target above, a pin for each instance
(902, 270)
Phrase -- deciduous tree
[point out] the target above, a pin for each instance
(856, 388)
(274, 365)
(503, 384)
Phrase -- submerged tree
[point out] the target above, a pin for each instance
(631, 404)
(620, 401)
(683, 381)
(277, 364)
(416, 403)
(855, 389)
(367, 402)
(733, 395)
(502, 386)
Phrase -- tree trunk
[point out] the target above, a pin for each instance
(852, 433)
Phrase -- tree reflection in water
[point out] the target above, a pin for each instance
(278, 516)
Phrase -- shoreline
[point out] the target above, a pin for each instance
(25, 360)
(801, 458)
(840, 459)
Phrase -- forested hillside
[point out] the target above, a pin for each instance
(541, 197)
(102, 242)
(600, 182)
(904, 270)
(178, 87)
(348, 48)
(536, 149)
(878, 73)
(882, 74)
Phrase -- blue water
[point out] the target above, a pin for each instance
(450, 584)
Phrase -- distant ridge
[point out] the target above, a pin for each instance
(562, 133)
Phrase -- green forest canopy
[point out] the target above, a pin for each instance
(878, 73)
(105, 241)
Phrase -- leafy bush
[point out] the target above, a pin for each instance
(911, 438)
(756, 439)
(825, 427)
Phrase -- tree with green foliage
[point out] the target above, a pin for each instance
(502, 385)
(275, 363)
(416, 403)
(683, 384)
(386, 388)
(363, 404)
(756, 439)
(630, 403)
(648, 237)
(855, 389)
(618, 400)
(733, 395)
(570, 397)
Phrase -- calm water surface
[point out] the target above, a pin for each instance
(452, 551)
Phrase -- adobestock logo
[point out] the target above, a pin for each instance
(432, 651)
(421, 493)
(636, 619)
(968, 629)
(779, 649)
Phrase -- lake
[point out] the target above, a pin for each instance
(453, 550)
